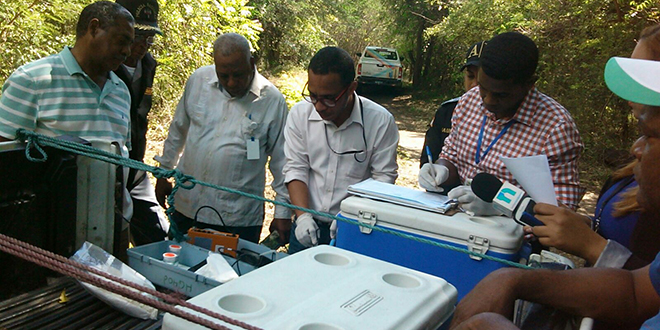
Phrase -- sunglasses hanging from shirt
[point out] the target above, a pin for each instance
(355, 153)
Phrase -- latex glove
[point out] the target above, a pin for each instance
(431, 182)
(307, 232)
(333, 229)
(470, 202)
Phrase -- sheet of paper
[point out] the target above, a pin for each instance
(533, 174)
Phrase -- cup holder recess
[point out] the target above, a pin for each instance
(401, 280)
(331, 259)
(319, 326)
(241, 304)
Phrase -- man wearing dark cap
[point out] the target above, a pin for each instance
(148, 224)
(506, 116)
(441, 124)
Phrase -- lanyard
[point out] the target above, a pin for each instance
(620, 186)
(252, 127)
(478, 156)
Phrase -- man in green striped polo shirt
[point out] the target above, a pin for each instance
(75, 92)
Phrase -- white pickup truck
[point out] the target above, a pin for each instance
(379, 66)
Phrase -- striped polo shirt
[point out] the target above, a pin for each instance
(54, 96)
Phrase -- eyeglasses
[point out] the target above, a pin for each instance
(355, 153)
(149, 39)
(327, 101)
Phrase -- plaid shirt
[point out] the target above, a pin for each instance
(541, 126)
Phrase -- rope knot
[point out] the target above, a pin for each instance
(180, 180)
(162, 173)
(183, 180)
(32, 142)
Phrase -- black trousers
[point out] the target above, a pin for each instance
(146, 225)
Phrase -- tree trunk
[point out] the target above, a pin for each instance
(417, 65)
(428, 55)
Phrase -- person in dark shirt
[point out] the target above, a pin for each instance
(148, 223)
(441, 124)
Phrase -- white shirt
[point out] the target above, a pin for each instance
(614, 255)
(212, 129)
(131, 70)
(327, 174)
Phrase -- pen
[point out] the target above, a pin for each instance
(428, 154)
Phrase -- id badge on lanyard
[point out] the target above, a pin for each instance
(252, 143)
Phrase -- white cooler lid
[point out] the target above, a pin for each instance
(502, 232)
(325, 287)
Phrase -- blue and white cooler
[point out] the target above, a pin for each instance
(493, 236)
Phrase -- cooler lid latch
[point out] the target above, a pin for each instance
(368, 218)
(479, 245)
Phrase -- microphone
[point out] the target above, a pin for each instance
(506, 198)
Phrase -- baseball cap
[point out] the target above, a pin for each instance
(145, 13)
(634, 80)
(473, 54)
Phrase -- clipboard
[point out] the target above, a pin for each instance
(404, 196)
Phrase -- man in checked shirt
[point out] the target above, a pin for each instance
(505, 115)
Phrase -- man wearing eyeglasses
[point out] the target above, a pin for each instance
(148, 223)
(333, 138)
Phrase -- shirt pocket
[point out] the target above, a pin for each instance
(358, 166)
(198, 113)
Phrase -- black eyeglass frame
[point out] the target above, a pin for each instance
(351, 152)
(328, 102)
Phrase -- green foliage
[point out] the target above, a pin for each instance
(411, 18)
(31, 29)
(190, 27)
(295, 29)
(291, 84)
(355, 24)
(575, 39)
(291, 32)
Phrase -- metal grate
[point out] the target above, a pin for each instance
(41, 309)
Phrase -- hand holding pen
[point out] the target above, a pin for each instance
(431, 175)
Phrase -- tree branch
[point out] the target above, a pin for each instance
(13, 19)
(425, 18)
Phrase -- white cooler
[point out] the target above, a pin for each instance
(327, 288)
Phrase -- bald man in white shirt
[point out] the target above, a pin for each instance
(229, 121)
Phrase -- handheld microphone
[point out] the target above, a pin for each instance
(506, 198)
